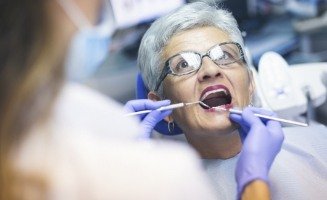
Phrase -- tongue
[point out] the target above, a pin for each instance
(217, 101)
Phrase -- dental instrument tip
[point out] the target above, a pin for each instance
(196, 102)
(203, 104)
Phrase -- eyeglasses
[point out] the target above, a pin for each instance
(222, 54)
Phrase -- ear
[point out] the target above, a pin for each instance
(154, 97)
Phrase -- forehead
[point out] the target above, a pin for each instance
(198, 40)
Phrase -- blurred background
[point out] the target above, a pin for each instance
(296, 29)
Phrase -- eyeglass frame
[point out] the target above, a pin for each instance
(167, 69)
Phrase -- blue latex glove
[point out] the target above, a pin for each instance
(262, 140)
(149, 120)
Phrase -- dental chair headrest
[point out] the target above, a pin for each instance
(162, 126)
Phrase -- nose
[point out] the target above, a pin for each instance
(209, 70)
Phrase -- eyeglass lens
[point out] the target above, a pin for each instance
(223, 55)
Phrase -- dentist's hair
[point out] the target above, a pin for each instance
(189, 16)
(29, 81)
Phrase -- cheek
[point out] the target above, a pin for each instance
(179, 89)
(241, 85)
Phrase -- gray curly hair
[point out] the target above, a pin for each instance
(189, 16)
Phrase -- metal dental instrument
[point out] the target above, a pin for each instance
(235, 111)
(169, 107)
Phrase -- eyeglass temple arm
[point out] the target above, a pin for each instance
(241, 51)
(166, 70)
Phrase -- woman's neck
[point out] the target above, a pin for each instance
(216, 146)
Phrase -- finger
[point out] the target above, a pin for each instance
(274, 125)
(249, 117)
(239, 120)
(243, 129)
(236, 118)
(150, 121)
(146, 104)
(128, 106)
(243, 133)
(136, 105)
(164, 114)
(275, 129)
(147, 122)
(154, 117)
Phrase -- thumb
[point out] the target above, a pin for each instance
(249, 118)
(243, 128)
(150, 121)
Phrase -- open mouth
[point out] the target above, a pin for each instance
(214, 96)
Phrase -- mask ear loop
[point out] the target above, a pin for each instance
(74, 13)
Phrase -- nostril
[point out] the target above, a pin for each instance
(205, 77)
(218, 74)
(209, 70)
(208, 75)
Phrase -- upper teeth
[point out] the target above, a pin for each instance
(213, 91)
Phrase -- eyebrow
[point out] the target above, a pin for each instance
(194, 51)
(205, 51)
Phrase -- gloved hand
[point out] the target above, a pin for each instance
(149, 120)
(262, 140)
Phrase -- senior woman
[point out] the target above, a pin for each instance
(196, 54)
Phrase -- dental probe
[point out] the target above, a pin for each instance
(263, 116)
(163, 108)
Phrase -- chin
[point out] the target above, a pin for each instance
(224, 127)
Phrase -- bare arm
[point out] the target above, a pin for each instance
(256, 190)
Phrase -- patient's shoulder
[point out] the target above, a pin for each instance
(310, 140)
(315, 133)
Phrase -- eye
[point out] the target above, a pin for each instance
(227, 56)
(185, 62)
(182, 65)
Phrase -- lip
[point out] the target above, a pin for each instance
(213, 87)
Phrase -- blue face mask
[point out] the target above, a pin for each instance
(89, 46)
